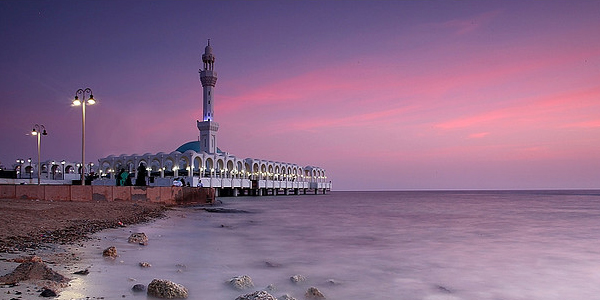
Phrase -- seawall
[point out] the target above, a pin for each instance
(168, 195)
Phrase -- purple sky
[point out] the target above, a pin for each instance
(385, 95)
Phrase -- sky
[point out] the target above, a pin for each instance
(384, 95)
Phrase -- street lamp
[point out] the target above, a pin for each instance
(63, 169)
(82, 102)
(30, 171)
(20, 162)
(39, 130)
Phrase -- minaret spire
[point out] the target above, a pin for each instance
(208, 128)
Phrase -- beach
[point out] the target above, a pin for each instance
(51, 229)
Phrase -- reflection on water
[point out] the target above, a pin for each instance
(366, 245)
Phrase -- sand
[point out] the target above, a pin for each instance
(29, 224)
(51, 231)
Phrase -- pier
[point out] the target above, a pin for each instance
(227, 174)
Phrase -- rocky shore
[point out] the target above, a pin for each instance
(34, 227)
(31, 224)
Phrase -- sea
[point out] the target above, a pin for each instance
(426, 245)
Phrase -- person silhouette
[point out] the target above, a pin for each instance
(141, 175)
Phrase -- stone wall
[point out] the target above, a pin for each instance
(167, 195)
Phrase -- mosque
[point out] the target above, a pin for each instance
(202, 163)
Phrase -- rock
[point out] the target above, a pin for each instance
(314, 293)
(259, 295)
(82, 272)
(333, 282)
(167, 289)
(225, 210)
(32, 258)
(32, 270)
(145, 264)
(286, 297)
(48, 293)
(110, 252)
(271, 288)
(297, 278)
(271, 264)
(241, 282)
(138, 288)
(138, 238)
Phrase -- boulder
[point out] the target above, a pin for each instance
(138, 287)
(297, 278)
(259, 295)
(48, 293)
(314, 293)
(82, 272)
(32, 270)
(167, 289)
(271, 288)
(110, 252)
(241, 282)
(138, 238)
(285, 297)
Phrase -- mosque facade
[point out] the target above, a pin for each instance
(202, 163)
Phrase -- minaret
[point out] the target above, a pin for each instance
(208, 128)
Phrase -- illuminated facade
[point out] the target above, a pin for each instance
(202, 163)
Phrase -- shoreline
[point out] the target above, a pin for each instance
(55, 230)
(33, 224)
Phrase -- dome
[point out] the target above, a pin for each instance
(194, 146)
(208, 50)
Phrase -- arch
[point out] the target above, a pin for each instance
(263, 170)
(118, 166)
(182, 166)
(240, 169)
(220, 169)
(198, 167)
(29, 170)
(169, 167)
(209, 167)
(230, 168)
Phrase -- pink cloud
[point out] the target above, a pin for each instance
(478, 135)
(587, 124)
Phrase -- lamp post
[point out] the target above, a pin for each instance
(63, 169)
(20, 162)
(39, 130)
(82, 102)
(29, 171)
(91, 169)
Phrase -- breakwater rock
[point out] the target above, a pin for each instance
(138, 238)
(259, 295)
(241, 282)
(167, 289)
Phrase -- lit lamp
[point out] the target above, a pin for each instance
(63, 168)
(83, 102)
(30, 171)
(20, 162)
(39, 130)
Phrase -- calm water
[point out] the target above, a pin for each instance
(374, 245)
